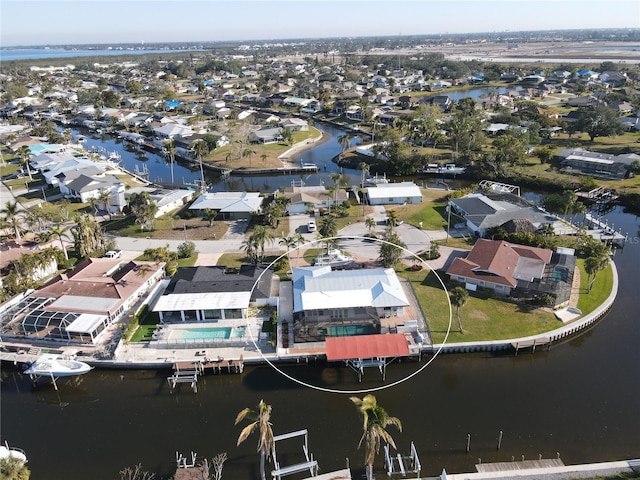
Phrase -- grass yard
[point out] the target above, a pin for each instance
(146, 328)
(483, 317)
(601, 289)
(235, 260)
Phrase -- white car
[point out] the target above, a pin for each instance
(113, 254)
(311, 226)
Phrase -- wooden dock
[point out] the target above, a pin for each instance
(522, 465)
(188, 372)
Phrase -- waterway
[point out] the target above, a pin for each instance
(7, 54)
(159, 169)
(579, 399)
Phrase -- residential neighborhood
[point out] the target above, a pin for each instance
(281, 219)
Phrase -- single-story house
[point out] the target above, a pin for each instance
(78, 306)
(294, 124)
(516, 270)
(311, 197)
(483, 211)
(333, 303)
(230, 205)
(579, 161)
(165, 199)
(394, 193)
(266, 135)
(210, 293)
(86, 187)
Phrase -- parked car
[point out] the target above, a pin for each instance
(112, 254)
(311, 226)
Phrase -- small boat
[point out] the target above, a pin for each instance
(333, 258)
(54, 365)
(7, 452)
(371, 181)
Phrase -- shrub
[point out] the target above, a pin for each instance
(186, 249)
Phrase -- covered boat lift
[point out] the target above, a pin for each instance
(367, 351)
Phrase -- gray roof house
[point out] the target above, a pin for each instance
(266, 135)
(230, 205)
(482, 212)
(212, 293)
(604, 165)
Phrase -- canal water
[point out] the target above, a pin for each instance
(580, 400)
(158, 168)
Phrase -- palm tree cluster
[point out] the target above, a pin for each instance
(254, 244)
(27, 271)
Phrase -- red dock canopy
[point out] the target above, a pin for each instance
(367, 346)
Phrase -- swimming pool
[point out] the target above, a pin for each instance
(207, 333)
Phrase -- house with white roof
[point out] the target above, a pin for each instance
(394, 193)
(167, 200)
(332, 303)
(212, 293)
(229, 205)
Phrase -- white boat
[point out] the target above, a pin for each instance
(371, 181)
(7, 452)
(54, 365)
(333, 258)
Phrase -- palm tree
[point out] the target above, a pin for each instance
(344, 141)
(375, 420)
(328, 228)
(250, 248)
(336, 178)
(260, 420)
(364, 169)
(12, 216)
(248, 152)
(392, 218)
(459, 297)
(210, 215)
(289, 243)
(370, 223)
(201, 148)
(264, 157)
(59, 231)
(171, 151)
(105, 198)
(25, 156)
(261, 236)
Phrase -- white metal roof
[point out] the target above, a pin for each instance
(80, 303)
(202, 301)
(317, 288)
(228, 202)
(394, 190)
(86, 323)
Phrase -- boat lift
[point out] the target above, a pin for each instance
(310, 464)
(400, 464)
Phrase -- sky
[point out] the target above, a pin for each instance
(54, 22)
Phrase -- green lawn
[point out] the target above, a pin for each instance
(601, 289)
(146, 328)
(483, 317)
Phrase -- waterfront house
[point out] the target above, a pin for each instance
(266, 135)
(211, 293)
(332, 303)
(294, 124)
(229, 205)
(394, 193)
(78, 306)
(167, 200)
(516, 270)
(481, 212)
(86, 187)
(578, 161)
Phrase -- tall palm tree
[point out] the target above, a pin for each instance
(370, 223)
(201, 148)
(250, 248)
(364, 169)
(60, 231)
(262, 235)
(105, 198)
(328, 228)
(344, 141)
(336, 178)
(375, 420)
(459, 297)
(260, 421)
(12, 216)
(170, 147)
(289, 243)
(25, 156)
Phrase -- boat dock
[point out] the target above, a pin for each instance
(189, 372)
(520, 465)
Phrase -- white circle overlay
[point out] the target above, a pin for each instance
(364, 390)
